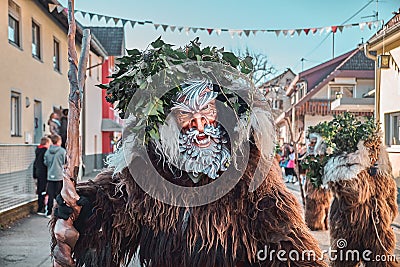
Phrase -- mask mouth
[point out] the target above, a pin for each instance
(202, 140)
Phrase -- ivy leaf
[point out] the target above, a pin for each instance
(230, 58)
(157, 43)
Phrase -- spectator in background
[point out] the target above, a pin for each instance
(64, 127)
(54, 159)
(40, 173)
(54, 123)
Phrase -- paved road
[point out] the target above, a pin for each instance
(27, 242)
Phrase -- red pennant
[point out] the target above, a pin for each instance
(210, 31)
(306, 31)
(334, 28)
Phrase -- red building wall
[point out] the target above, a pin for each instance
(107, 108)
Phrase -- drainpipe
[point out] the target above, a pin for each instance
(377, 82)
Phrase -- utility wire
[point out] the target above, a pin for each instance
(326, 37)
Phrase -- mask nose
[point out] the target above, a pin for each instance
(198, 122)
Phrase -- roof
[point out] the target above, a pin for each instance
(112, 39)
(351, 64)
(389, 32)
(274, 81)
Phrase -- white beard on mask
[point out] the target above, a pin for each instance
(198, 161)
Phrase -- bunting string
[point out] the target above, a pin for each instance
(376, 24)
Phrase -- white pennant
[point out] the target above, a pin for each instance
(52, 7)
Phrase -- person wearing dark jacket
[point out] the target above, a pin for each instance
(54, 159)
(40, 173)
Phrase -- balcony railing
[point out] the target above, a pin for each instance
(323, 107)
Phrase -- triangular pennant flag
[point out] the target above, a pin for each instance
(187, 29)
(247, 32)
(194, 30)
(277, 32)
(239, 32)
(156, 26)
(164, 26)
(231, 33)
(132, 23)
(334, 29)
(299, 31)
(172, 28)
(180, 29)
(124, 21)
(210, 31)
(369, 23)
(91, 15)
(321, 30)
(254, 32)
(306, 31)
(328, 29)
(100, 17)
(285, 32)
(291, 32)
(314, 30)
(83, 14)
(340, 28)
(116, 20)
(218, 31)
(362, 25)
(52, 7)
(60, 9)
(107, 18)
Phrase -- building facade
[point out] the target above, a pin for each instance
(384, 48)
(342, 84)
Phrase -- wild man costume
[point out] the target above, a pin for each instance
(318, 199)
(132, 212)
(364, 205)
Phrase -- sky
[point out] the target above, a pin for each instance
(282, 52)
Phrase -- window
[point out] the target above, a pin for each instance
(392, 128)
(277, 104)
(56, 55)
(35, 40)
(15, 114)
(346, 91)
(13, 23)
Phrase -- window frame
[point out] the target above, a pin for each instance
(14, 13)
(341, 90)
(56, 55)
(39, 44)
(392, 120)
(15, 114)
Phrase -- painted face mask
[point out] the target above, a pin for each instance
(202, 141)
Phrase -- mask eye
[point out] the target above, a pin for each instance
(184, 113)
(206, 107)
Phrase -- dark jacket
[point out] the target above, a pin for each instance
(54, 158)
(39, 169)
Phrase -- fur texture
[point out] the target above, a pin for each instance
(361, 204)
(227, 232)
(318, 201)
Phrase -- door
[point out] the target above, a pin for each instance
(37, 122)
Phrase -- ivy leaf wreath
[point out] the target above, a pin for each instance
(134, 72)
(341, 136)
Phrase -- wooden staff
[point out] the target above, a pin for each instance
(64, 230)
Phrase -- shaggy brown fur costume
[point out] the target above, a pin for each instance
(318, 201)
(227, 232)
(363, 207)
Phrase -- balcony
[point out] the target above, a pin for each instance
(353, 104)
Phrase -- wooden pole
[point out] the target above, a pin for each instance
(64, 230)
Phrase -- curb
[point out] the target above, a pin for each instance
(17, 213)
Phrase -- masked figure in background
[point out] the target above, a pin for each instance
(318, 199)
(241, 228)
(364, 205)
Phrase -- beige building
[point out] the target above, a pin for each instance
(384, 48)
(34, 78)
